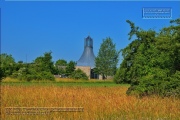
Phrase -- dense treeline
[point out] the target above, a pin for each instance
(151, 62)
(42, 68)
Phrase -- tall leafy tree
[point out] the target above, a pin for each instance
(60, 66)
(70, 68)
(107, 58)
(137, 55)
(61, 62)
(7, 64)
(45, 63)
(151, 61)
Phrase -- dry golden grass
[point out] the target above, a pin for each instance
(100, 103)
(72, 80)
(8, 79)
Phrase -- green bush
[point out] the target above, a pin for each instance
(151, 63)
(34, 76)
(1, 74)
(121, 77)
(47, 76)
(151, 85)
(79, 74)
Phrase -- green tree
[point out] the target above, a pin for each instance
(107, 58)
(60, 66)
(70, 68)
(42, 68)
(7, 64)
(61, 62)
(137, 56)
(44, 63)
(151, 62)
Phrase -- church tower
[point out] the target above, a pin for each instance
(87, 60)
(88, 57)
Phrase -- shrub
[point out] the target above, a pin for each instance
(47, 76)
(149, 85)
(79, 74)
(43, 75)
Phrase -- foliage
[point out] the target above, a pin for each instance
(152, 61)
(70, 68)
(7, 63)
(60, 66)
(149, 85)
(79, 74)
(41, 69)
(1, 74)
(44, 63)
(107, 58)
(61, 62)
(29, 73)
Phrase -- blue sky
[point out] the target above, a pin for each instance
(33, 28)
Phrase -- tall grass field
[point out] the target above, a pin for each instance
(101, 100)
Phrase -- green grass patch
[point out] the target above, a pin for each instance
(83, 84)
(63, 82)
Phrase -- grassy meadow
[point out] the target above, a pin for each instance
(101, 100)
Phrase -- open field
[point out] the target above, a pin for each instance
(62, 82)
(100, 102)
